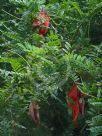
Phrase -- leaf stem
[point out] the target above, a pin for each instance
(10, 14)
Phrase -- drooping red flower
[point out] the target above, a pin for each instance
(77, 106)
(43, 22)
(75, 111)
(34, 112)
(73, 93)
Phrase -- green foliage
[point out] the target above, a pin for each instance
(95, 104)
(42, 69)
(96, 122)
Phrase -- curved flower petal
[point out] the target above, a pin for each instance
(34, 112)
(75, 111)
(73, 93)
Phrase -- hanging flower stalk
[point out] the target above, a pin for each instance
(34, 112)
(77, 104)
(42, 22)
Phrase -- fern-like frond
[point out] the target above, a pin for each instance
(12, 35)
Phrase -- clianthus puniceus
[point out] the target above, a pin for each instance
(42, 22)
(78, 102)
(34, 112)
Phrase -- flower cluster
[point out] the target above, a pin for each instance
(77, 104)
(42, 22)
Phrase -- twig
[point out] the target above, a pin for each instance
(67, 18)
(10, 14)
(76, 32)
(62, 82)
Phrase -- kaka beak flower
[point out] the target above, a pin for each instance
(34, 112)
(36, 23)
(73, 93)
(77, 106)
(43, 22)
(75, 111)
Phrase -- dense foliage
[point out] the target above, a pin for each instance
(42, 69)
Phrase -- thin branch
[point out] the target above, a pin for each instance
(10, 14)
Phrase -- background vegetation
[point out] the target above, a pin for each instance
(42, 69)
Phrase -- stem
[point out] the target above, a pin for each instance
(76, 32)
(21, 57)
(67, 18)
(10, 14)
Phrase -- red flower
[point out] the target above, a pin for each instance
(77, 106)
(36, 23)
(73, 93)
(34, 112)
(75, 111)
(43, 22)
